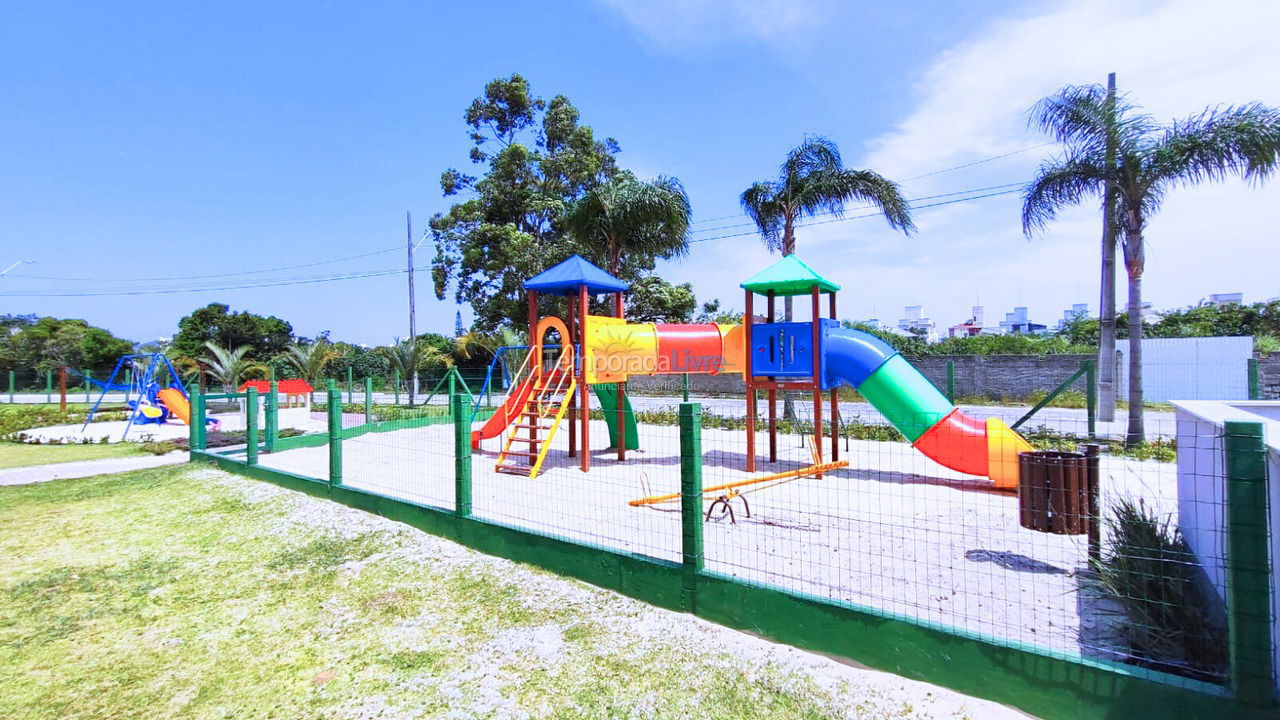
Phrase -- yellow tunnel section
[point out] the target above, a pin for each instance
(615, 349)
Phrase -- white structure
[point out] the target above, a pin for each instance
(1204, 368)
(1224, 299)
(1017, 322)
(1202, 488)
(916, 324)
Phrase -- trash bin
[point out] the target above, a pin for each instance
(1058, 492)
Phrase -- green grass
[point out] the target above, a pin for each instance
(24, 455)
(188, 593)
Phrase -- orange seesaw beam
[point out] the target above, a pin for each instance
(808, 470)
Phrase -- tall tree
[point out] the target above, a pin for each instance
(267, 336)
(627, 216)
(538, 160)
(1149, 159)
(813, 180)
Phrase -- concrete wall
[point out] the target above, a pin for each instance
(992, 375)
(1269, 375)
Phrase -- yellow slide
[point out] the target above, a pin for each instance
(178, 406)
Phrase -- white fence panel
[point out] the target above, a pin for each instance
(1201, 368)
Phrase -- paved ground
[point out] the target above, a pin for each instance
(86, 468)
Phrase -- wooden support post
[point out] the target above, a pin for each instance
(571, 315)
(62, 388)
(584, 407)
(748, 374)
(817, 385)
(772, 394)
(622, 394)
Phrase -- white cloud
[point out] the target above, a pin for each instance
(678, 25)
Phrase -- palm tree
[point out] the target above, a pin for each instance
(409, 356)
(626, 215)
(1149, 160)
(310, 361)
(231, 367)
(813, 180)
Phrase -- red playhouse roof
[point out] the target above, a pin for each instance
(295, 386)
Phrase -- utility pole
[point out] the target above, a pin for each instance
(1107, 306)
(413, 323)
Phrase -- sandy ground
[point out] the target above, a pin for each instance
(894, 531)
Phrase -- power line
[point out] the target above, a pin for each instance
(215, 275)
(869, 215)
(993, 158)
(175, 291)
(869, 206)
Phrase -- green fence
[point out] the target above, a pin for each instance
(422, 471)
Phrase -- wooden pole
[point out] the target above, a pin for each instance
(835, 402)
(574, 337)
(584, 408)
(622, 393)
(62, 388)
(817, 386)
(747, 374)
(773, 398)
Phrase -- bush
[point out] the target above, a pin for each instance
(1173, 621)
(162, 447)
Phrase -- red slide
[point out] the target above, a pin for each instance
(506, 414)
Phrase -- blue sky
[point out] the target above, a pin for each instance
(153, 148)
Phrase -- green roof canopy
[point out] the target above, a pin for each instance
(788, 276)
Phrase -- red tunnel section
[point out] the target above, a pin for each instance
(689, 348)
(957, 441)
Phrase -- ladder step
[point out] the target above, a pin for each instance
(514, 470)
(517, 453)
(528, 440)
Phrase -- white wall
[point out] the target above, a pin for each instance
(1211, 368)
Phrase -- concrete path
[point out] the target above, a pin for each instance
(86, 468)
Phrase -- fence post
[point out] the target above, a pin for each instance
(11, 387)
(397, 386)
(1091, 397)
(350, 385)
(691, 551)
(87, 375)
(335, 434)
(128, 384)
(48, 386)
(273, 415)
(684, 387)
(368, 400)
(1248, 565)
(195, 437)
(460, 409)
(1255, 387)
(951, 381)
(251, 426)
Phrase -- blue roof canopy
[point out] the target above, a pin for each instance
(568, 276)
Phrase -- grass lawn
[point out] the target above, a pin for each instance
(24, 454)
(185, 592)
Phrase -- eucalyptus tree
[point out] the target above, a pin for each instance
(627, 216)
(812, 181)
(1142, 160)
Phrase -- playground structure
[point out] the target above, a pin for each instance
(153, 390)
(818, 356)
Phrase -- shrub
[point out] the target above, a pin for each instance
(1172, 620)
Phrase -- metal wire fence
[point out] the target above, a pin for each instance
(1102, 550)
